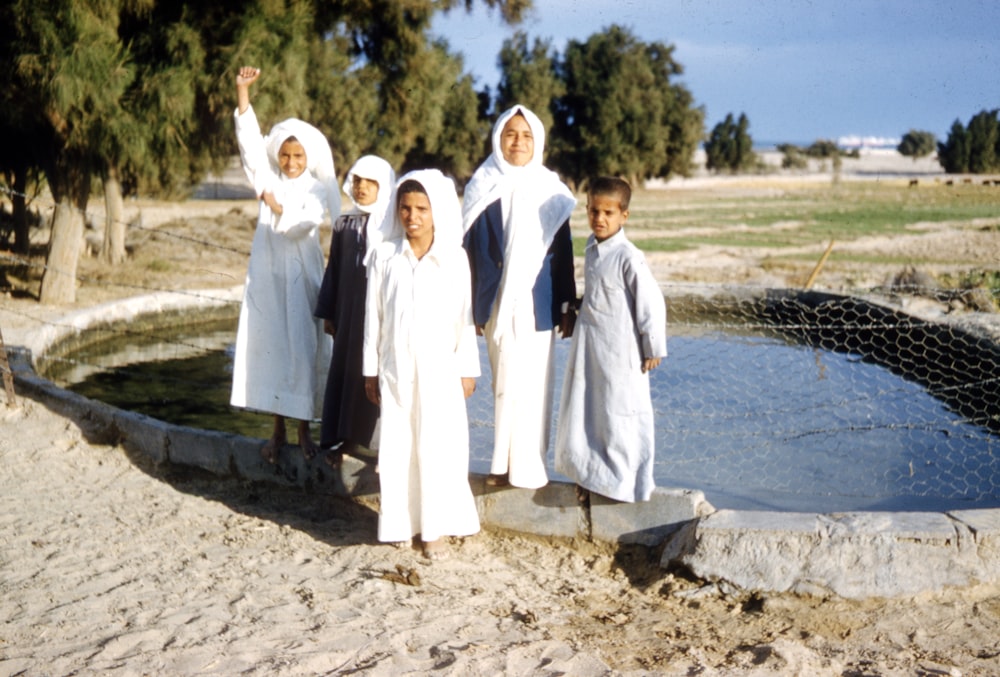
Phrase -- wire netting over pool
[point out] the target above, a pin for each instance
(768, 400)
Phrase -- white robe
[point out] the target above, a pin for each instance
(281, 349)
(535, 204)
(420, 341)
(605, 435)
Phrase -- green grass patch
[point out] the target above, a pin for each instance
(817, 214)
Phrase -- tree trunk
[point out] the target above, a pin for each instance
(65, 243)
(20, 211)
(113, 250)
(69, 181)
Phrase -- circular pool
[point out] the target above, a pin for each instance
(773, 401)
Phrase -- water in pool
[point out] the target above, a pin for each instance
(754, 421)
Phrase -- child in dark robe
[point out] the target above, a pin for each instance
(350, 420)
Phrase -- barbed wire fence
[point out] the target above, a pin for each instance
(769, 399)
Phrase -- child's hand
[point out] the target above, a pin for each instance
(650, 363)
(567, 323)
(329, 328)
(271, 201)
(246, 76)
(468, 386)
(371, 390)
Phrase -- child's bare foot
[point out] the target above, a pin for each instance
(334, 458)
(269, 451)
(436, 550)
(278, 439)
(497, 480)
(309, 448)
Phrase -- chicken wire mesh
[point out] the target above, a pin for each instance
(769, 399)
(806, 401)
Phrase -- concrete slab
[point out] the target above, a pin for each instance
(207, 449)
(553, 510)
(645, 523)
(984, 527)
(143, 435)
(852, 555)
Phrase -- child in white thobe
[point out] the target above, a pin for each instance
(604, 440)
(420, 362)
(281, 350)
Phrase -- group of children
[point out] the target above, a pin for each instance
(410, 280)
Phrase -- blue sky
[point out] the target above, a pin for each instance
(800, 69)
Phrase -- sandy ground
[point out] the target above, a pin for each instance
(111, 566)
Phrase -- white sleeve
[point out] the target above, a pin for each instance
(373, 316)
(650, 311)
(253, 152)
(301, 212)
(467, 349)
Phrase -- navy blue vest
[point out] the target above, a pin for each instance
(556, 281)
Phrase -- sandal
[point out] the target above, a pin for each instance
(497, 480)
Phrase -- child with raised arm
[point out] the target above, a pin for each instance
(281, 350)
(420, 363)
(350, 421)
(605, 435)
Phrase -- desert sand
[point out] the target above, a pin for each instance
(109, 565)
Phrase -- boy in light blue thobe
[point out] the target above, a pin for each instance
(605, 437)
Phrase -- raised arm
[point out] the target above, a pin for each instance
(246, 76)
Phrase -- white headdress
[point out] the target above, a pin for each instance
(375, 169)
(319, 158)
(444, 206)
(534, 204)
(539, 190)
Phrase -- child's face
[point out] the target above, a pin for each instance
(292, 159)
(416, 215)
(606, 215)
(364, 191)
(517, 143)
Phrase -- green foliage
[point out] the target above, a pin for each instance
(529, 77)
(621, 114)
(345, 102)
(972, 149)
(916, 144)
(729, 146)
(433, 120)
(67, 97)
(792, 157)
(953, 153)
(823, 148)
(976, 279)
(984, 134)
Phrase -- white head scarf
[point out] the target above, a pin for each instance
(375, 169)
(534, 203)
(538, 189)
(444, 207)
(319, 158)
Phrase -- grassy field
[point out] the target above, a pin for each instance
(799, 215)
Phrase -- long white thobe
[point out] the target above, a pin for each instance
(420, 341)
(605, 435)
(281, 350)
